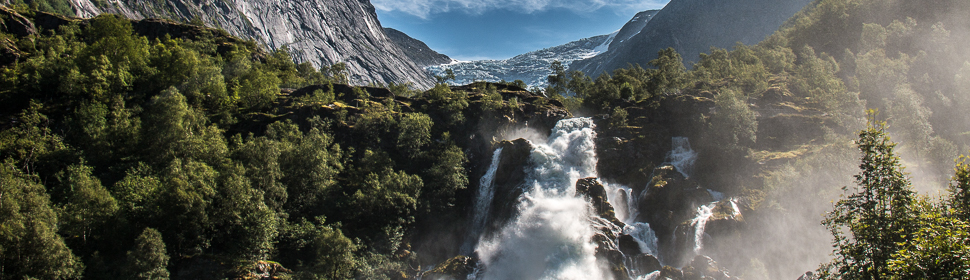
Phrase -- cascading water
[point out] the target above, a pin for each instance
(483, 202)
(681, 156)
(551, 237)
(699, 223)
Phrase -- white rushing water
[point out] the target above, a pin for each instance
(681, 156)
(699, 223)
(483, 202)
(550, 238)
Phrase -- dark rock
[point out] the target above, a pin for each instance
(509, 182)
(14, 23)
(596, 193)
(628, 245)
(703, 267)
(9, 53)
(457, 267)
(669, 201)
(643, 264)
(671, 273)
(606, 251)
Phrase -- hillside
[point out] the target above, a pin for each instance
(417, 51)
(693, 27)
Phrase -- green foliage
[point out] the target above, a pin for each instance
(558, 80)
(450, 103)
(414, 133)
(872, 224)
(148, 259)
(815, 78)
(29, 243)
(671, 74)
(491, 100)
(31, 142)
(939, 249)
(88, 208)
(960, 189)
(733, 121)
(444, 178)
(318, 251)
(318, 97)
(618, 117)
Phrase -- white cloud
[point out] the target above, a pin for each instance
(424, 8)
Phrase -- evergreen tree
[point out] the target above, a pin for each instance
(871, 225)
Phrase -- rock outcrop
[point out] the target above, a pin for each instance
(692, 27)
(322, 32)
(596, 194)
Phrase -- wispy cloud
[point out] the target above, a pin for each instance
(424, 8)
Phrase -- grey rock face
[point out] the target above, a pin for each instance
(632, 27)
(417, 51)
(693, 26)
(322, 32)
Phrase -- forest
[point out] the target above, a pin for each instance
(200, 155)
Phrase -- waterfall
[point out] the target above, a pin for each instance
(699, 223)
(681, 156)
(652, 276)
(551, 237)
(644, 235)
(483, 203)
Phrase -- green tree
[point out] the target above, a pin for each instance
(444, 178)
(30, 247)
(148, 260)
(960, 189)
(938, 249)
(89, 207)
(558, 80)
(450, 103)
(733, 121)
(871, 225)
(414, 133)
(618, 117)
(318, 251)
(31, 143)
(310, 163)
(671, 75)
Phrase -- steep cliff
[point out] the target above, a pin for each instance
(692, 27)
(417, 51)
(322, 32)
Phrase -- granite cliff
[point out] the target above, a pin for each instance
(322, 32)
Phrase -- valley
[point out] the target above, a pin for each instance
(173, 140)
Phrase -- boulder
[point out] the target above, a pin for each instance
(628, 245)
(607, 252)
(457, 267)
(667, 202)
(703, 267)
(596, 193)
(509, 182)
(643, 264)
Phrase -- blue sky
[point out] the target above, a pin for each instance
(499, 29)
